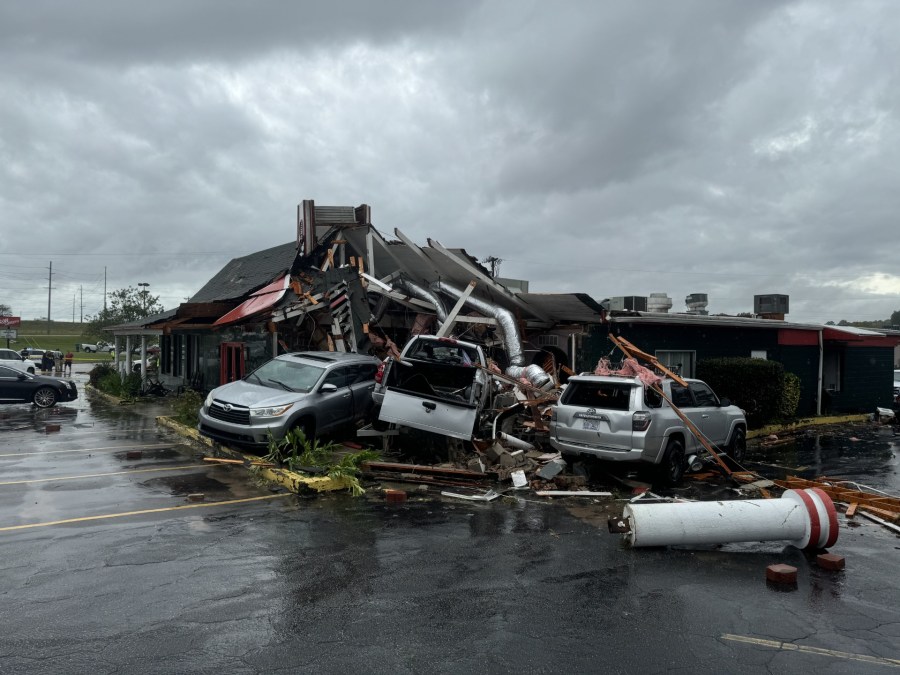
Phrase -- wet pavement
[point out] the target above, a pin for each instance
(138, 578)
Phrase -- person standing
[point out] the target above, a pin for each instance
(47, 362)
(68, 363)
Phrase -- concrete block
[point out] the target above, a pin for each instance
(570, 482)
(395, 496)
(551, 468)
(494, 452)
(507, 461)
(781, 574)
(830, 561)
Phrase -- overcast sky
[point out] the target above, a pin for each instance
(612, 148)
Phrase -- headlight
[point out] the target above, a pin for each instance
(274, 411)
(208, 401)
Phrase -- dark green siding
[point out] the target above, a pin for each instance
(866, 380)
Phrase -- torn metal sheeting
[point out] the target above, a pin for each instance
(571, 493)
(488, 496)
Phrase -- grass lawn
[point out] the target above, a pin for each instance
(63, 335)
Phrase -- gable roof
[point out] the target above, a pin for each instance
(246, 274)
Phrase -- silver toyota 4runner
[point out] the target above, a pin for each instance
(619, 419)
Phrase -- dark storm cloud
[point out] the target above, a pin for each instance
(615, 148)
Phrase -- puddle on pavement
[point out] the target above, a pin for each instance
(188, 484)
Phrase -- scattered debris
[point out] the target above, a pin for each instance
(782, 574)
(571, 493)
(52, 427)
(830, 561)
(134, 454)
(222, 460)
(196, 497)
(395, 496)
(488, 496)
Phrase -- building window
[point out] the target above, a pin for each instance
(759, 354)
(681, 363)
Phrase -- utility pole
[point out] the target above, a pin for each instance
(104, 288)
(49, 293)
(81, 312)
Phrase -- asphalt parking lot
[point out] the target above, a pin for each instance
(108, 566)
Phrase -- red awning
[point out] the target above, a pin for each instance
(260, 301)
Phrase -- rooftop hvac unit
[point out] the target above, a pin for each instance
(697, 303)
(633, 303)
(659, 302)
(770, 304)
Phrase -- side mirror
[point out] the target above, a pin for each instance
(327, 388)
(724, 402)
(21, 377)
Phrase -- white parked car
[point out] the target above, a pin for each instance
(12, 358)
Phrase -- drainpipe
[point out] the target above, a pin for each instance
(506, 323)
(806, 519)
(819, 388)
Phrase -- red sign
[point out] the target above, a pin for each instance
(10, 321)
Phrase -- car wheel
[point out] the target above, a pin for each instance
(31, 371)
(738, 447)
(45, 397)
(671, 469)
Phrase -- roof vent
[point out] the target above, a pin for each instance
(696, 303)
(659, 302)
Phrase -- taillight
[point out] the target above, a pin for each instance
(640, 421)
(379, 376)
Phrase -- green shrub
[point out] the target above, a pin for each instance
(99, 372)
(790, 397)
(131, 385)
(756, 385)
(110, 383)
(187, 406)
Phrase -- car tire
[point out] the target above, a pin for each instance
(31, 371)
(738, 446)
(671, 469)
(307, 426)
(45, 397)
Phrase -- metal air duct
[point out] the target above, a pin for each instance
(424, 294)
(506, 322)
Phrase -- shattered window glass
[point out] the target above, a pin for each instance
(609, 396)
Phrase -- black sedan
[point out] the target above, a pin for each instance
(45, 392)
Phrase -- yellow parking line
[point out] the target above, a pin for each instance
(97, 475)
(111, 447)
(791, 647)
(140, 513)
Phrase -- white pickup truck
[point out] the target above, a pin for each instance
(98, 347)
(435, 385)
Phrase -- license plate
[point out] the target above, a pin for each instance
(590, 425)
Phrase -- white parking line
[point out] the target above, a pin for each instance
(97, 475)
(110, 447)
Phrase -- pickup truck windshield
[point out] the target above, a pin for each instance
(443, 352)
(297, 376)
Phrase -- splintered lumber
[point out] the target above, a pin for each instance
(851, 510)
(423, 469)
(222, 460)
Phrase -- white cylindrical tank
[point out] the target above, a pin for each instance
(804, 518)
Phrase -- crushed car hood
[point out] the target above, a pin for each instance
(255, 395)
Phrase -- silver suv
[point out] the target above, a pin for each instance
(313, 391)
(619, 419)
